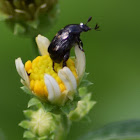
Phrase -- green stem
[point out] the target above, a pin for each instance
(64, 128)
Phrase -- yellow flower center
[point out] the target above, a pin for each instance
(43, 65)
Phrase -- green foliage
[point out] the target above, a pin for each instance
(70, 105)
(37, 103)
(19, 29)
(116, 131)
(82, 109)
(49, 107)
(28, 113)
(85, 104)
(28, 134)
(26, 90)
(85, 82)
(34, 102)
(83, 91)
(31, 136)
(43, 138)
(85, 75)
(24, 124)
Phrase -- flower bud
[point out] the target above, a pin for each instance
(39, 124)
(83, 108)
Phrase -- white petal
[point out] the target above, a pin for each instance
(80, 62)
(21, 71)
(49, 86)
(53, 88)
(43, 44)
(68, 79)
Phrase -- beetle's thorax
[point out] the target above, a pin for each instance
(73, 29)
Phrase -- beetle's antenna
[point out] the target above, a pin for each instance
(97, 27)
(89, 19)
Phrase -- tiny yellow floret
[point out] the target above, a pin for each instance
(28, 65)
(43, 65)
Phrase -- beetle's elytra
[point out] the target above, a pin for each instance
(65, 39)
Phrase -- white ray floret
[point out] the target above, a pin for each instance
(22, 72)
(80, 62)
(43, 44)
(53, 88)
(69, 81)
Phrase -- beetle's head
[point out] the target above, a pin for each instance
(84, 27)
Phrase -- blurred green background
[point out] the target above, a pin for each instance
(113, 62)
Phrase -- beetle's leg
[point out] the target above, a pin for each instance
(65, 58)
(81, 48)
(53, 66)
(80, 44)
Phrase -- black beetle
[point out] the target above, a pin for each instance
(65, 39)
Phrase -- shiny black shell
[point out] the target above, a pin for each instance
(64, 41)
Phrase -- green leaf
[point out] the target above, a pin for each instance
(28, 134)
(85, 83)
(83, 108)
(85, 76)
(26, 90)
(49, 107)
(116, 131)
(82, 91)
(34, 102)
(24, 124)
(19, 29)
(43, 138)
(28, 113)
(87, 97)
(69, 106)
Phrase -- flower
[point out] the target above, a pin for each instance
(54, 86)
(22, 14)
